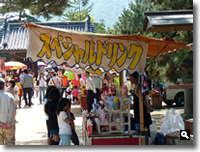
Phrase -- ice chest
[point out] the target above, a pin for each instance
(156, 101)
(189, 125)
(170, 138)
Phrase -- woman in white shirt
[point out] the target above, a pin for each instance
(82, 82)
(55, 81)
(42, 83)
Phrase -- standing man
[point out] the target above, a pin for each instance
(147, 107)
(98, 84)
(7, 120)
(27, 83)
(42, 83)
(91, 91)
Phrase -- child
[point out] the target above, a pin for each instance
(64, 121)
(75, 94)
(19, 91)
(68, 92)
(16, 100)
(74, 137)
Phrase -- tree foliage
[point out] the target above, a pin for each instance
(76, 13)
(173, 5)
(7, 56)
(45, 8)
(131, 19)
(169, 66)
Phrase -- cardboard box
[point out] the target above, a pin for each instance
(170, 138)
(156, 101)
(189, 125)
(183, 142)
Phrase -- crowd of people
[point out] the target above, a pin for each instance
(57, 104)
(56, 93)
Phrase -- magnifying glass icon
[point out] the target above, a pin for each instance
(184, 134)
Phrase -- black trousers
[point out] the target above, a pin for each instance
(75, 99)
(63, 90)
(29, 91)
(90, 99)
(97, 95)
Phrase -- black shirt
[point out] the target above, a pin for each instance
(50, 109)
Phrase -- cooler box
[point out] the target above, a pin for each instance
(189, 125)
(156, 101)
(170, 138)
(84, 103)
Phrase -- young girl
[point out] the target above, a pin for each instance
(75, 94)
(64, 121)
(13, 89)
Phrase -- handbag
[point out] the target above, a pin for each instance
(37, 83)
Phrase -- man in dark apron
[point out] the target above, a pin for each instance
(147, 108)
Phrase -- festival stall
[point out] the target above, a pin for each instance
(105, 125)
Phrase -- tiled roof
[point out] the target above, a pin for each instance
(13, 36)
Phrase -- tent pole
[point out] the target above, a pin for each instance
(121, 78)
(141, 112)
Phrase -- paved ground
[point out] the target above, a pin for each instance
(31, 126)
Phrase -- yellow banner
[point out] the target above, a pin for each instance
(86, 49)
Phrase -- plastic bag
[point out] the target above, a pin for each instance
(172, 122)
(153, 129)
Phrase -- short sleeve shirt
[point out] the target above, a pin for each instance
(64, 127)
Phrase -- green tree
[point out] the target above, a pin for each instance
(166, 5)
(131, 19)
(100, 27)
(45, 8)
(76, 13)
(173, 5)
(172, 64)
(7, 56)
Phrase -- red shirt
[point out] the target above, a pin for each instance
(75, 92)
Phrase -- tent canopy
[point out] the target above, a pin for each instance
(13, 65)
(94, 49)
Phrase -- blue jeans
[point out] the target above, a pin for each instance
(65, 139)
(41, 92)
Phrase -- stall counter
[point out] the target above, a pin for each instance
(111, 139)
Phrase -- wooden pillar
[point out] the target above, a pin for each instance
(34, 68)
(121, 80)
(141, 112)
